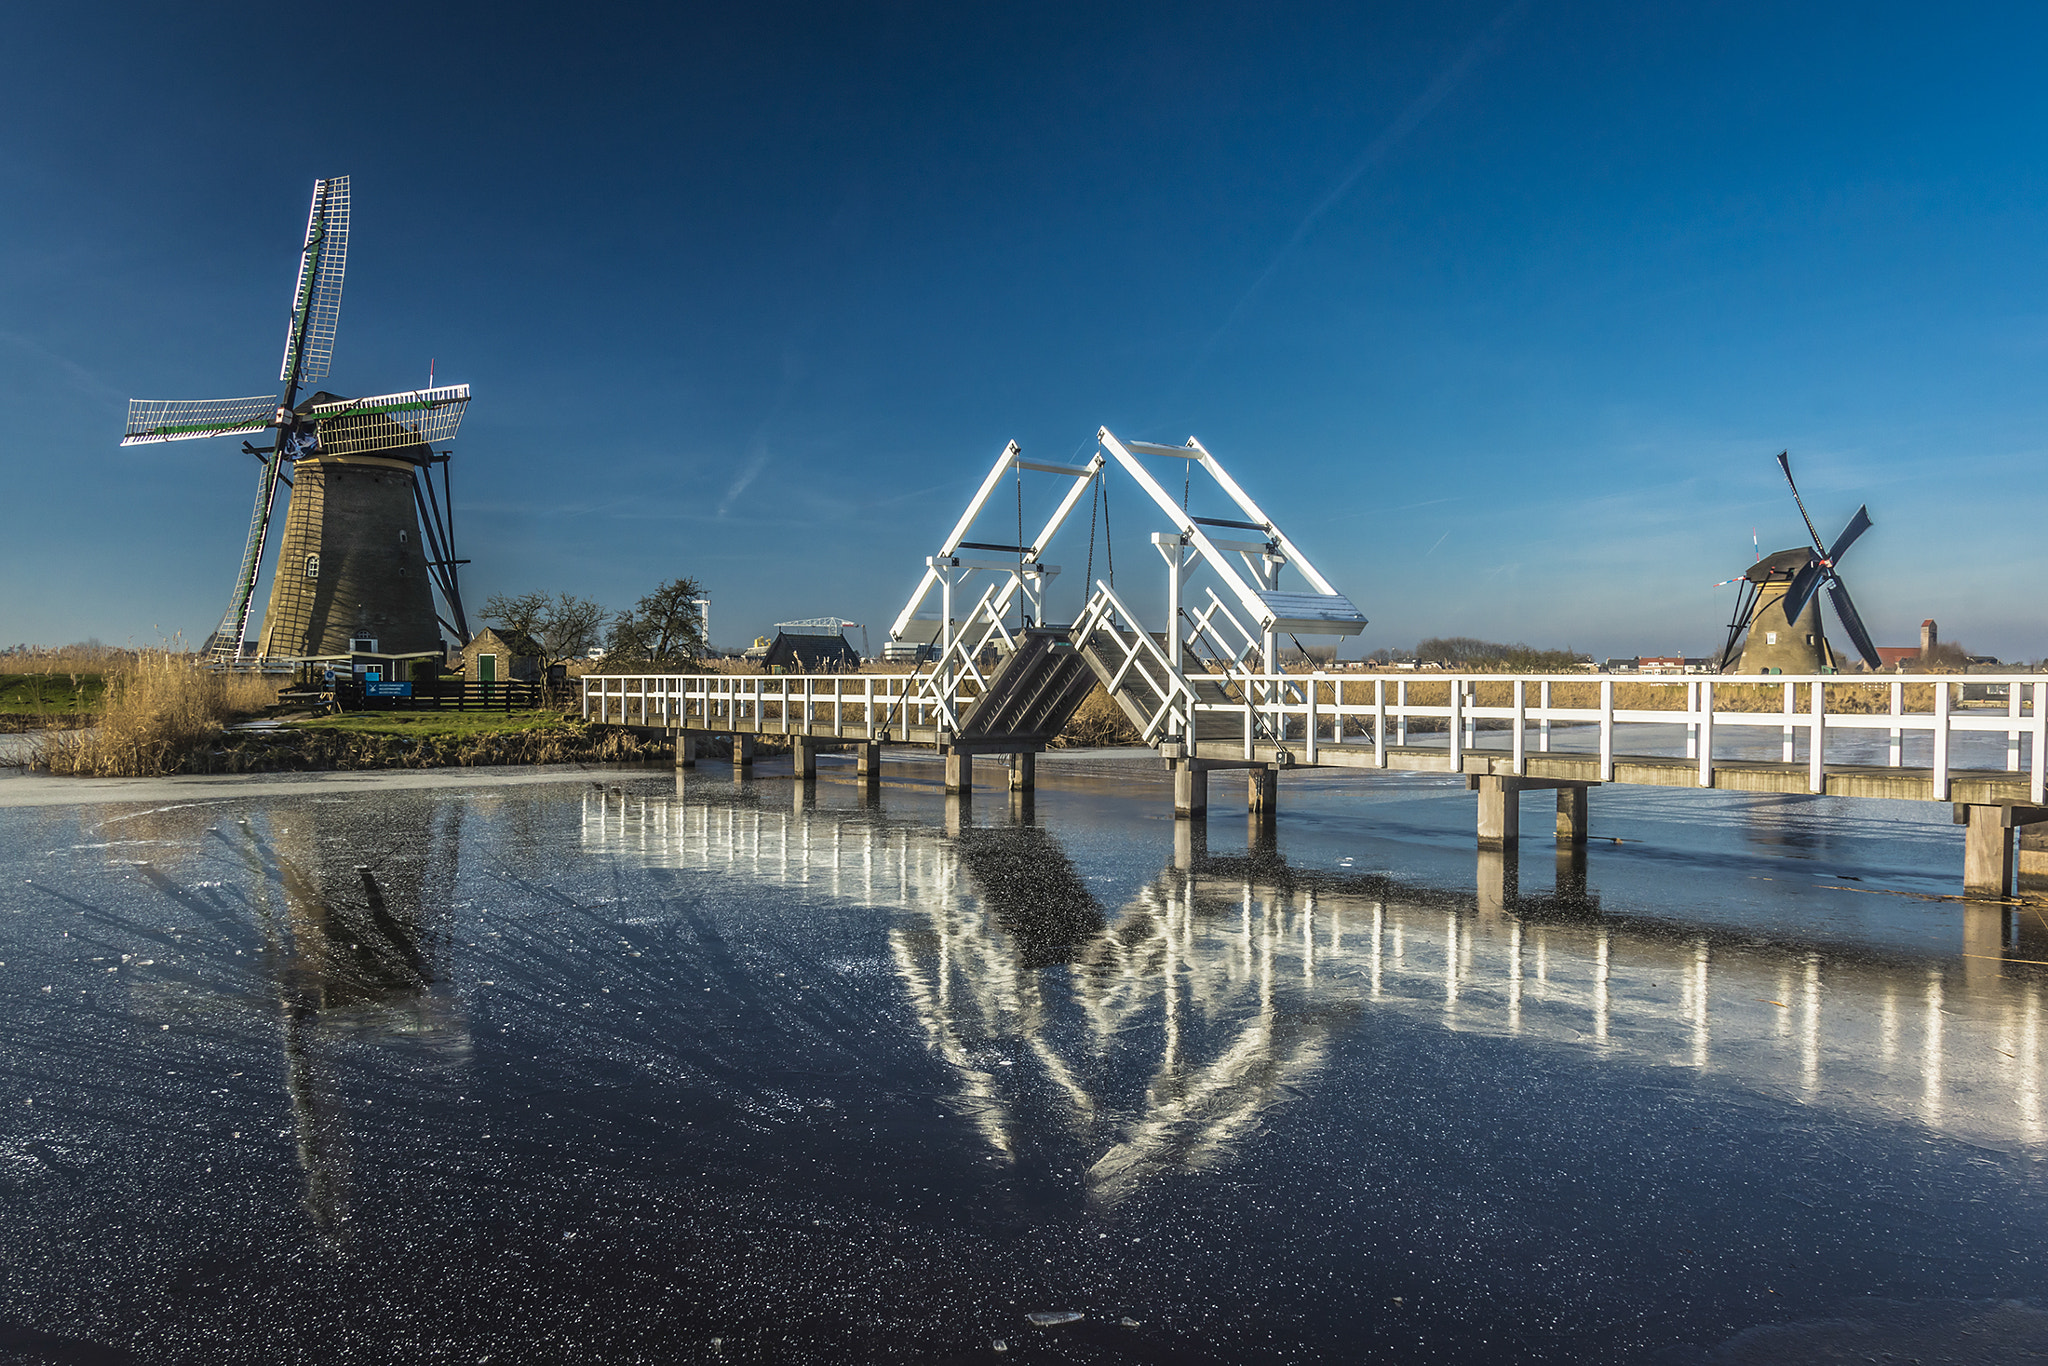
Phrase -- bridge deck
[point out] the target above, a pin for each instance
(1728, 775)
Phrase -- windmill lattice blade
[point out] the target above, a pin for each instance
(390, 422)
(1804, 584)
(1845, 612)
(316, 306)
(1785, 464)
(190, 419)
(1858, 524)
(234, 624)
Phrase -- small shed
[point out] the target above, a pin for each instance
(498, 656)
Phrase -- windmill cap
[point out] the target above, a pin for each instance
(1781, 565)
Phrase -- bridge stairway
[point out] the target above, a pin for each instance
(1031, 696)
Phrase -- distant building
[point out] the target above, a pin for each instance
(497, 657)
(799, 652)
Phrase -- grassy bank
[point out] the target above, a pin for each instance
(421, 740)
(45, 700)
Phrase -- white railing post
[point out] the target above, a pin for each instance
(1692, 725)
(1939, 774)
(1789, 709)
(1379, 723)
(1521, 723)
(1543, 730)
(586, 700)
(1607, 730)
(1706, 732)
(1309, 736)
(1816, 768)
(2012, 736)
(1898, 735)
(1401, 710)
(1471, 721)
(1455, 725)
(2038, 788)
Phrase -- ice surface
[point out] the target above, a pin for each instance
(523, 1067)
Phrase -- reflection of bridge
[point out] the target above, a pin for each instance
(1210, 692)
(1163, 1029)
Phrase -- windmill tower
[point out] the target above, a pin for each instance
(1777, 606)
(367, 541)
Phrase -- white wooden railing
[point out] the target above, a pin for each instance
(1309, 712)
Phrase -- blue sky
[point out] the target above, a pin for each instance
(1502, 312)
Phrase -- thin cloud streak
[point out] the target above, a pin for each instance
(1376, 151)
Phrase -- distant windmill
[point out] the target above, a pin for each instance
(353, 565)
(1777, 607)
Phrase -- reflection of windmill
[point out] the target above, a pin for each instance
(1777, 604)
(354, 563)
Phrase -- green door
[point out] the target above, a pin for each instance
(487, 668)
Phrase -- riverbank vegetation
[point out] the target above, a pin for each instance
(157, 708)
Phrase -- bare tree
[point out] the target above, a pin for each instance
(665, 629)
(561, 627)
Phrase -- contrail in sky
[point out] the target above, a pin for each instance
(1411, 118)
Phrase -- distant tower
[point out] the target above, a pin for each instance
(1930, 636)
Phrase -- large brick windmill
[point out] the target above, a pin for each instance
(1777, 603)
(353, 563)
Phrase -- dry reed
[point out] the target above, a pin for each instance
(161, 708)
(1098, 721)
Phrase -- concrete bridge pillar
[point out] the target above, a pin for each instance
(803, 755)
(1987, 853)
(1500, 812)
(1023, 772)
(1263, 790)
(686, 749)
(1988, 858)
(743, 754)
(867, 764)
(1500, 808)
(2031, 868)
(1571, 816)
(959, 772)
(1190, 789)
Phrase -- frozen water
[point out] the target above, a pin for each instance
(375, 1068)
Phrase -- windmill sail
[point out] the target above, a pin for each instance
(390, 422)
(191, 419)
(234, 627)
(316, 306)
